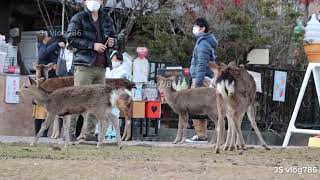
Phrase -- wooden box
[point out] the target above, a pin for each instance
(138, 109)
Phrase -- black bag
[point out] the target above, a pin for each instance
(61, 69)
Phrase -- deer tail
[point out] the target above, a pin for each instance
(226, 85)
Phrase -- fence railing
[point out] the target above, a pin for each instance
(276, 115)
(271, 114)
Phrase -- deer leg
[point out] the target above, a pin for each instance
(184, 127)
(124, 135)
(213, 118)
(220, 131)
(66, 127)
(115, 123)
(56, 128)
(237, 120)
(251, 114)
(128, 127)
(45, 125)
(237, 138)
(233, 137)
(238, 147)
(103, 128)
(228, 139)
(179, 132)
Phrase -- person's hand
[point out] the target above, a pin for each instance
(99, 47)
(62, 44)
(110, 42)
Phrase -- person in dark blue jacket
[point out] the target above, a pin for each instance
(204, 51)
(48, 52)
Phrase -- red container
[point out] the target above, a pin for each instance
(153, 109)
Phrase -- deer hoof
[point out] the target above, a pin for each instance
(183, 141)
(226, 147)
(120, 146)
(265, 147)
(243, 147)
(217, 151)
(175, 141)
(231, 148)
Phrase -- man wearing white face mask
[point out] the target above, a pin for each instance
(91, 33)
(204, 51)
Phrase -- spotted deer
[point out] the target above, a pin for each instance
(236, 91)
(123, 103)
(93, 99)
(197, 101)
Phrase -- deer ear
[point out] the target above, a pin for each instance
(40, 80)
(51, 66)
(214, 68)
(232, 63)
(35, 65)
(160, 78)
(172, 78)
(223, 64)
(32, 81)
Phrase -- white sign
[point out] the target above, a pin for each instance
(279, 86)
(257, 78)
(12, 86)
(140, 70)
(259, 56)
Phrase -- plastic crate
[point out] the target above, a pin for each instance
(10, 59)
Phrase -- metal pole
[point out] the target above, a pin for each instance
(63, 12)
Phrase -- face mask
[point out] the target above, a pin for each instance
(196, 30)
(93, 5)
(115, 64)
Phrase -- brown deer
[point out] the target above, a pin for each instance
(236, 90)
(124, 102)
(198, 101)
(95, 99)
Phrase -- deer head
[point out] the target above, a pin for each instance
(43, 70)
(164, 83)
(32, 89)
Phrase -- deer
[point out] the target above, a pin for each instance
(93, 99)
(197, 101)
(236, 90)
(124, 102)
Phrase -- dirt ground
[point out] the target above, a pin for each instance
(18, 161)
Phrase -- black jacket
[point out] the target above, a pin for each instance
(81, 35)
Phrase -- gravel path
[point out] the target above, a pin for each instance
(28, 140)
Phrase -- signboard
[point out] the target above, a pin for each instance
(279, 86)
(12, 86)
(257, 78)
